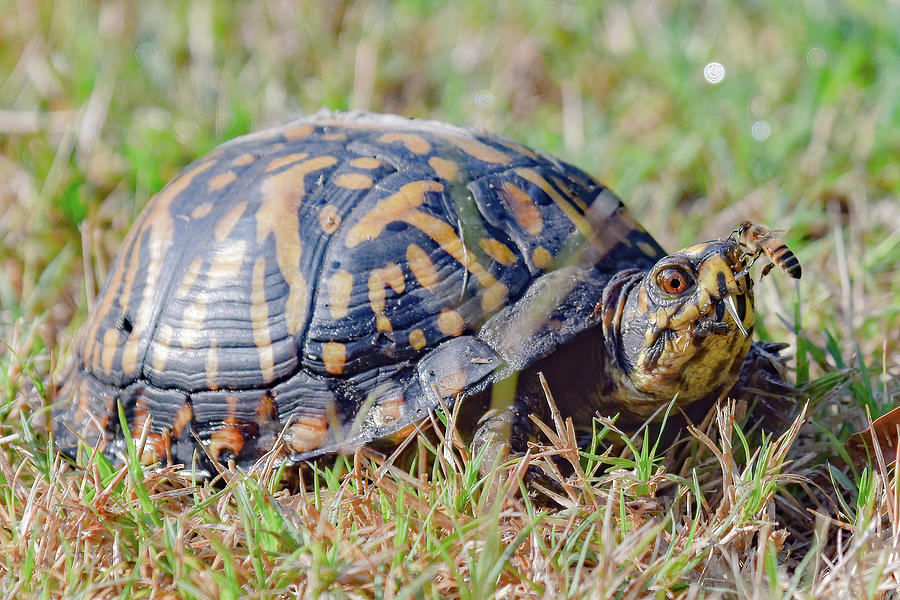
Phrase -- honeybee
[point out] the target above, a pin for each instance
(754, 239)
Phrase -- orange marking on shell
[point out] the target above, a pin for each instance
(287, 159)
(414, 143)
(376, 291)
(477, 149)
(446, 237)
(266, 412)
(421, 266)
(219, 181)
(498, 251)
(157, 448)
(157, 217)
(307, 434)
(243, 160)
(395, 207)
(353, 181)
(389, 410)
(202, 210)
(110, 345)
(229, 438)
(452, 383)
(339, 286)
(382, 323)
(446, 169)
(393, 276)
(277, 214)
(583, 226)
(259, 320)
(494, 296)
(334, 355)
(541, 257)
(297, 131)
(450, 322)
(182, 419)
(329, 219)
(417, 339)
(366, 162)
(229, 220)
(524, 209)
(401, 206)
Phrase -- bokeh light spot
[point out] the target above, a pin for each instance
(714, 72)
(816, 57)
(760, 130)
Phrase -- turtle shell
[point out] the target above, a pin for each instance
(328, 282)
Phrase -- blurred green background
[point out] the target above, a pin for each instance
(102, 102)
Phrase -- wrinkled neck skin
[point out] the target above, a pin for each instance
(660, 347)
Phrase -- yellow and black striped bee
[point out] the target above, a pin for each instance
(755, 239)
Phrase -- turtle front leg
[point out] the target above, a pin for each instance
(506, 429)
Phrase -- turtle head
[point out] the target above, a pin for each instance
(681, 329)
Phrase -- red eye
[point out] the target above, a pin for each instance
(674, 281)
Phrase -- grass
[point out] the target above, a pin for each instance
(102, 103)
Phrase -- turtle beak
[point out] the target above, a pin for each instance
(730, 305)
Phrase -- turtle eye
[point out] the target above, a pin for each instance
(674, 281)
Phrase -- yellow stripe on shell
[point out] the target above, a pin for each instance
(339, 286)
(161, 346)
(401, 206)
(497, 250)
(477, 149)
(110, 345)
(229, 220)
(259, 321)
(334, 355)
(277, 214)
(580, 223)
(421, 266)
(523, 208)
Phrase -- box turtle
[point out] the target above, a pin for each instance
(327, 283)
